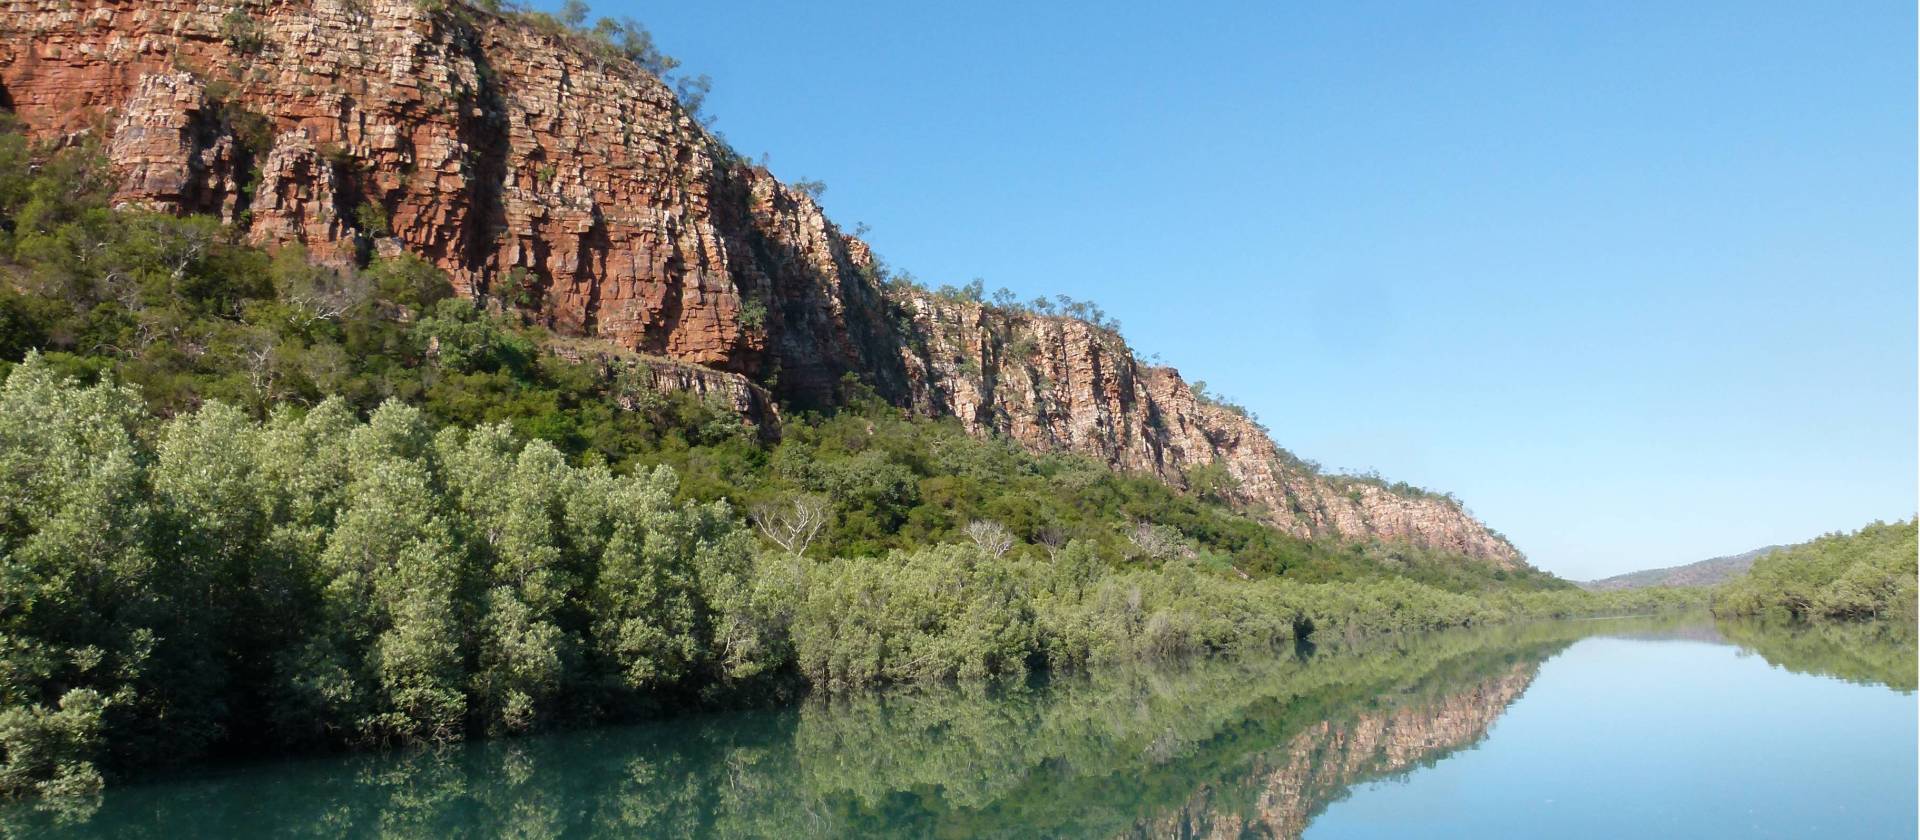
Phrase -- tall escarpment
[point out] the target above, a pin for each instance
(1057, 383)
(532, 167)
(540, 171)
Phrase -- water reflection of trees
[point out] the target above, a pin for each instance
(1244, 747)
(1866, 652)
(1255, 743)
(1253, 746)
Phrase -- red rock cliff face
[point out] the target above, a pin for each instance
(1064, 384)
(533, 169)
(507, 157)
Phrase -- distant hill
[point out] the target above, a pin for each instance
(1702, 573)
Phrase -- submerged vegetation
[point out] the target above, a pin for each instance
(1868, 574)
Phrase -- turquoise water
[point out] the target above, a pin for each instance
(1574, 729)
(1619, 738)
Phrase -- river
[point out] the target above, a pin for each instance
(1607, 728)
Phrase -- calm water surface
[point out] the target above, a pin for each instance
(1575, 729)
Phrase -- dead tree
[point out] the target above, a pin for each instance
(992, 537)
(794, 525)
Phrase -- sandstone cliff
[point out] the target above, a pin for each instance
(1057, 383)
(546, 175)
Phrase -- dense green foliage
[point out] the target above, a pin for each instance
(900, 482)
(249, 503)
(318, 579)
(206, 581)
(1863, 575)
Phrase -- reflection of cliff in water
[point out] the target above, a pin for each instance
(1319, 765)
(1253, 744)
(1248, 746)
(1220, 748)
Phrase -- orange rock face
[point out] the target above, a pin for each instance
(534, 170)
(1062, 384)
(525, 165)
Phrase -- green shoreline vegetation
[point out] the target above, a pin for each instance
(252, 505)
(1868, 574)
(186, 586)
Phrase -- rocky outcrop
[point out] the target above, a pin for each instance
(631, 376)
(532, 167)
(1058, 383)
(171, 152)
(545, 174)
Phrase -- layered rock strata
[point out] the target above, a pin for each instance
(546, 174)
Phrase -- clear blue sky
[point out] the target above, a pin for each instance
(1635, 279)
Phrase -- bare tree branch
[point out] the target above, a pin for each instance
(1159, 542)
(992, 537)
(1054, 540)
(793, 526)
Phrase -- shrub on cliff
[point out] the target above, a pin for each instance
(178, 309)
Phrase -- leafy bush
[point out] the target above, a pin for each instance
(342, 581)
(1866, 574)
(940, 612)
(371, 219)
(242, 32)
